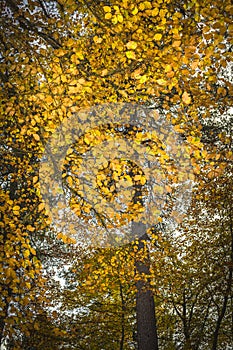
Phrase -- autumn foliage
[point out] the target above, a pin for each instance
(58, 58)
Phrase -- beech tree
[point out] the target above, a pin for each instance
(59, 57)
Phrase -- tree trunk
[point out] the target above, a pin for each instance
(122, 319)
(226, 297)
(147, 337)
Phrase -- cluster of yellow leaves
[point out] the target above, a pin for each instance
(19, 266)
(122, 183)
(106, 269)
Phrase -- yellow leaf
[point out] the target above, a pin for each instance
(143, 79)
(178, 128)
(75, 89)
(69, 180)
(88, 89)
(41, 206)
(154, 12)
(135, 11)
(70, 42)
(148, 4)
(8, 272)
(30, 228)
(120, 18)
(97, 39)
(108, 15)
(28, 285)
(36, 137)
(104, 72)
(168, 188)
(60, 53)
(48, 99)
(87, 140)
(33, 251)
(81, 81)
(26, 253)
(158, 36)
(162, 82)
(141, 6)
(35, 179)
(65, 239)
(16, 208)
(137, 177)
(186, 98)
(59, 236)
(87, 209)
(130, 54)
(143, 180)
(204, 153)
(80, 55)
(168, 68)
(107, 9)
(176, 43)
(114, 20)
(131, 45)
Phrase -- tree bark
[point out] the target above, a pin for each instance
(222, 313)
(225, 298)
(147, 337)
(122, 319)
